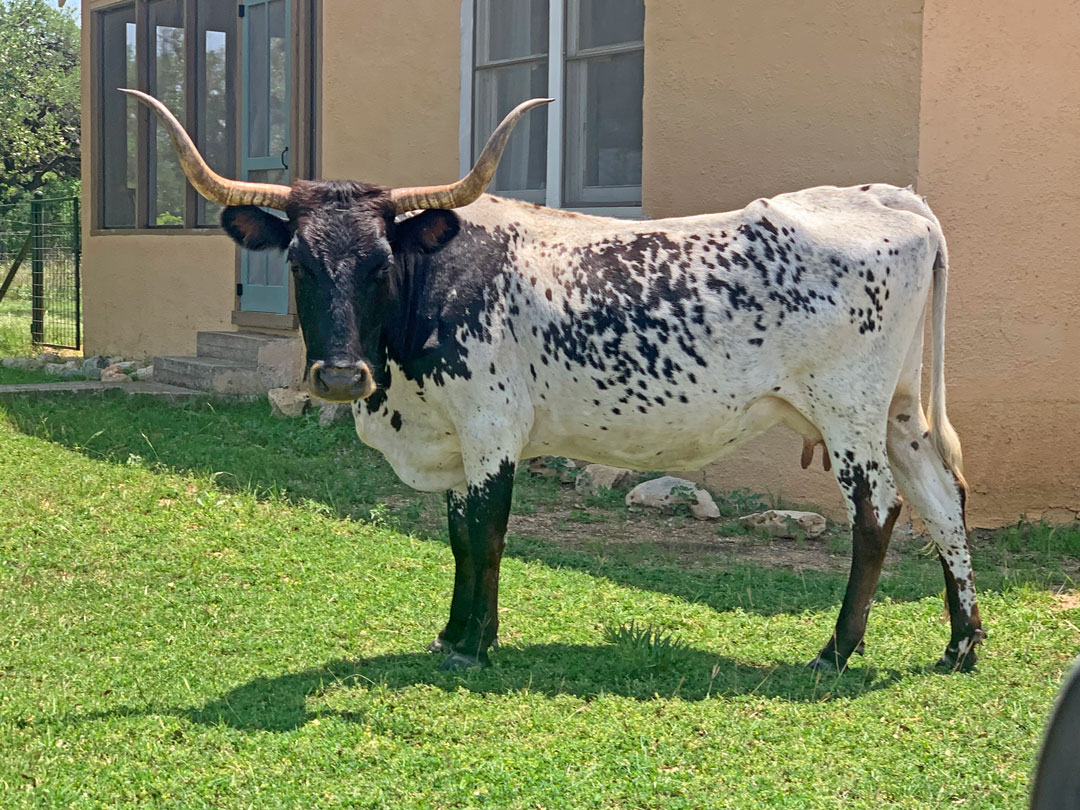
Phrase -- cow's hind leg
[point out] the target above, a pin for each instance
(478, 537)
(938, 496)
(861, 467)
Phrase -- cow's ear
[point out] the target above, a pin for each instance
(254, 228)
(427, 232)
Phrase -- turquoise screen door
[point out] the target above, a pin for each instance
(266, 79)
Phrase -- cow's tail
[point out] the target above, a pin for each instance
(942, 434)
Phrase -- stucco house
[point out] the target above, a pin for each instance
(664, 107)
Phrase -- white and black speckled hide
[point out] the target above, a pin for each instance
(664, 344)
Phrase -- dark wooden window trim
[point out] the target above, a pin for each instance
(306, 56)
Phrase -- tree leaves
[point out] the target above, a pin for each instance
(39, 96)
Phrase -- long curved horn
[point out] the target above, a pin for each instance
(206, 181)
(472, 185)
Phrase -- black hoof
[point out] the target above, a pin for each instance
(954, 661)
(440, 646)
(827, 664)
(456, 662)
(960, 656)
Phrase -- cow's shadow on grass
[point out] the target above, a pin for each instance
(288, 701)
(246, 450)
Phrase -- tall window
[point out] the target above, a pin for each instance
(181, 51)
(584, 150)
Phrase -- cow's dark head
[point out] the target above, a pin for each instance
(344, 247)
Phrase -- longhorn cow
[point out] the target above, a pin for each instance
(482, 330)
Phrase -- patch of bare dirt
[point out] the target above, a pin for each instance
(1067, 600)
(648, 537)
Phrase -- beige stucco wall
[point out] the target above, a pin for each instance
(145, 295)
(978, 104)
(390, 91)
(768, 97)
(1000, 164)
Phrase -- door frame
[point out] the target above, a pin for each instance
(304, 126)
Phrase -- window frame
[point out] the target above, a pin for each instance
(144, 123)
(558, 37)
(305, 120)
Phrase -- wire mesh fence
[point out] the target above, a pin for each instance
(39, 269)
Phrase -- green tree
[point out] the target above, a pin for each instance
(39, 97)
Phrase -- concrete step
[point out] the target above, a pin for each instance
(241, 346)
(278, 358)
(213, 375)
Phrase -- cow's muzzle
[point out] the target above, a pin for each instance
(341, 383)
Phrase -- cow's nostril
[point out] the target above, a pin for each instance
(317, 381)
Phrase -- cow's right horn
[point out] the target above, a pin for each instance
(206, 181)
(472, 185)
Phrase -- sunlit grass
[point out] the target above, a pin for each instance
(197, 611)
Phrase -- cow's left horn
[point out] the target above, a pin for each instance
(206, 181)
(472, 185)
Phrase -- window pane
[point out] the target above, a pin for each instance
(498, 90)
(609, 22)
(217, 111)
(268, 267)
(511, 29)
(279, 58)
(118, 119)
(603, 137)
(166, 80)
(258, 79)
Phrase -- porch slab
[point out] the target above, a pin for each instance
(153, 389)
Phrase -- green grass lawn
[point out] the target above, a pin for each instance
(15, 322)
(203, 607)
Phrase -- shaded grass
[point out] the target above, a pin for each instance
(191, 615)
(15, 321)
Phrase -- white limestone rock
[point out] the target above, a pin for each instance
(287, 401)
(600, 476)
(21, 363)
(669, 492)
(565, 469)
(114, 373)
(92, 366)
(333, 412)
(785, 523)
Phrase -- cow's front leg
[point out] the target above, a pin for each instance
(461, 602)
(468, 636)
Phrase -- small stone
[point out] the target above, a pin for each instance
(333, 412)
(114, 360)
(114, 373)
(49, 357)
(92, 366)
(669, 492)
(785, 523)
(145, 374)
(22, 363)
(54, 369)
(72, 365)
(287, 401)
(600, 476)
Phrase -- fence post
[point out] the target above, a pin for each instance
(37, 271)
(76, 234)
